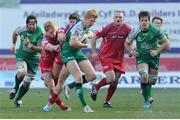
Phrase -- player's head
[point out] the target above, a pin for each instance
(90, 18)
(118, 18)
(158, 21)
(73, 17)
(31, 23)
(144, 20)
(50, 28)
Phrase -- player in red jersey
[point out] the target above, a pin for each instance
(50, 49)
(58, 65)
(111, 55)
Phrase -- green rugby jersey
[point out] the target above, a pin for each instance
(78, 29)
(35, 38)
(146, 40)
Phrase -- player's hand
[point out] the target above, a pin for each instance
(13, 48)
(94, 55)
(26, 42)
(57, 48)
(133, 52)
(61, 37)
(153, 53)
(90, 34)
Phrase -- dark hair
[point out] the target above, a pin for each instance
(74, 15)
(144, 13)
(30, 17)
(157, 17)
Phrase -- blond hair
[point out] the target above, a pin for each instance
(91, 14)
(50, 25)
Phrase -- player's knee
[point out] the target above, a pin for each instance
(27, 80)
(152, 79)
(21, 76)
(91, 77)
(114, 83)
(144, 76)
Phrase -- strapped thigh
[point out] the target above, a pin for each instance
(21, 67)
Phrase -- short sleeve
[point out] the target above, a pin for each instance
(20, 29)
(133, 34)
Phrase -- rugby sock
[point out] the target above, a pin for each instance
(111, 91)
(101, 83)
(150, 87)
(53, 98)
(21, 93)
(59, 101)
(84, 79)
(145, 90)
(17, 83)
(73, 84)
(61, 104)
(79, 92)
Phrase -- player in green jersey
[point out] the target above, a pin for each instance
(26, 56)
(74, 58)
(158, 21)
(147, 53)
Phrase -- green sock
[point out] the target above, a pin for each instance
(73, 84)
(150, 88)
(17, 83)
(145, 90)
(84, 79)
(21, 93)
(80, 93)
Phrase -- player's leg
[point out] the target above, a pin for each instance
(110, 77)
(111, 90)
(32, 67)
(24, 88)
(21, 71)
(61, 79)
(48, 78)
(143, 72)
(86, 67)
(89, 75)
(49, 82)
(57, 66)
(153, 76)
(75, 71)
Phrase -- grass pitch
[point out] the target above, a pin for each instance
(127, 104)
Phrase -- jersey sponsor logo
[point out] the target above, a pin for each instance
(139, 39)
(69, 58)
(22, 36)
(118, 37)
(28, 34)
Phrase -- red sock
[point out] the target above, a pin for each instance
(60, 103)
(111, 91)
(101, 83)
(53, 98)
(55, 81)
